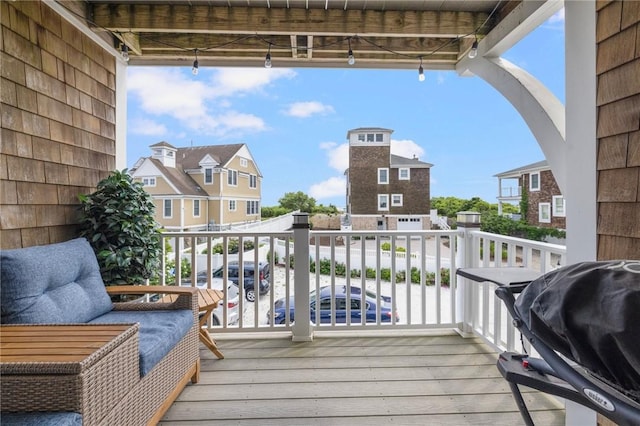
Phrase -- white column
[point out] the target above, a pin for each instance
(302, 328)
(466, 258)
(580, 77)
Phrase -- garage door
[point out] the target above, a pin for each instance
(409, 224)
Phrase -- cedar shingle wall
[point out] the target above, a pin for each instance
(58, 123)
(618, 103)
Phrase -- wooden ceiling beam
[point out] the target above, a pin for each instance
(202, 42)
(177, 18)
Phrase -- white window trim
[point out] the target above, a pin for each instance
(541, 208)
(393, 204)
(379, 170)
(243, 162)
(382, 197)
(164, 208)
(531, 188)
(252, 203)
(235, 205)
(150, 181)
(253, 178)
(194, 202)
(204, 179)
(400, 170)
(232, 172)
(557, 213)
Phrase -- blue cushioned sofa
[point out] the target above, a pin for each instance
(130, 381)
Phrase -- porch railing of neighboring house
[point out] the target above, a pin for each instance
(415, 269)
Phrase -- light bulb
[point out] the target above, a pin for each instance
(267, 61)
(194, 70)
(351, 59)
(421, 74)
(125, 52)
(474, 50)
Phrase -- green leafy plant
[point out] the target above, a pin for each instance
(118, 220)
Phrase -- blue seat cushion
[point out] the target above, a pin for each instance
(54, 283)
(160, 331)
(41, 419)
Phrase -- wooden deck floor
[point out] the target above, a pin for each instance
(427, 380)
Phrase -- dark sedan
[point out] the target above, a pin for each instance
(321, 306)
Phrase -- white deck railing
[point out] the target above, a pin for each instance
(383, 262)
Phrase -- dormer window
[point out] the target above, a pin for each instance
(208, 175)
(243, 162)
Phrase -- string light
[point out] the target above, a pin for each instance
(194, 70)
(474, 49)
(124, 51)
(421, 71)
(350, 58)
(267, 59)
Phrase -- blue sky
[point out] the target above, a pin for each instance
(295, 121)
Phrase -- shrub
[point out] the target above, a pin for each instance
(118, 221)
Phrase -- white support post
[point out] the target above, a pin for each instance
(302, 328)
(466, 258)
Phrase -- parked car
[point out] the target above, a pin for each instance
(248, 277)
(232, 298)
(321, 306)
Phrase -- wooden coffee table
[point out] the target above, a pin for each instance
(208, 300)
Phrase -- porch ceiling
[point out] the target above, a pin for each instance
(298, 33)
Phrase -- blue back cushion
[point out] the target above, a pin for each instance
(54, 283)
(160, 331)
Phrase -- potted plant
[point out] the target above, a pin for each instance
(118, 220)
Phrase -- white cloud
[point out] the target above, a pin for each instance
(198, 104)
(406, 148)
(338, 155)
(147, 127)
(234, 81)
(307, 109)
(332, 187)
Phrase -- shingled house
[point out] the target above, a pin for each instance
(546, 206)
(385, 191)
(202, 187)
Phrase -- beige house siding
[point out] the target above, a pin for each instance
(161, 187)
(618, 129)
(58, 123)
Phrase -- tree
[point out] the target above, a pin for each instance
(297, 201)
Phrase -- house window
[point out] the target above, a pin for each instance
(208, 175)
(167, 212)
(396, 200)
(361, 137)
(383, 175)
(253, 181)
(544, 213)
(403, 174)
(370, 137)
(558, 206)
(379, 137)
(383, 202)
(196, 208)
(149, 181)
(232, 177)
(534, 181)
(243, 162)
(253, 208)
(232, 205)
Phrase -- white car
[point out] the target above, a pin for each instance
(232, 298)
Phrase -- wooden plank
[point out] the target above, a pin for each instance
(305, 375)
(259, 20)
(347, 388)
(472, 419)
(344, 407)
